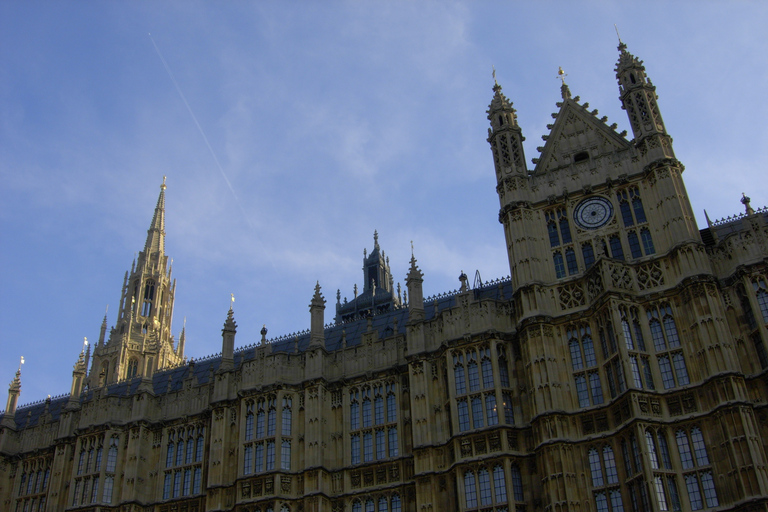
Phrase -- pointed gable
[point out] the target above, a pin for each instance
(577, 135)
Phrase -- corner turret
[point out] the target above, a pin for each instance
(638, 97)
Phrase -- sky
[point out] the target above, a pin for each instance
(290, 131)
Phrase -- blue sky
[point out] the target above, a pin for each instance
(328, 120)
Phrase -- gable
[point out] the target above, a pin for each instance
(577, 135)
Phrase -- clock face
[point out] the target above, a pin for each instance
(593, 212)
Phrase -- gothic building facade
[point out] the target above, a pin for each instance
(621, 367)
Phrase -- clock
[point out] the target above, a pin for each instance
(593, 212)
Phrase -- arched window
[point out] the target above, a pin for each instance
(149, 295)
(459, 375)
(589, 254)
(570, 259)
(470, 489)
(249, 421)
(133, 368)
(287, 416)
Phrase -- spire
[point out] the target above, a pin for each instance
(103, 331)
(565, 92)
(317, 321)
(14, 390)
(638, 97)
(505, 136)
(182, 339)
(414, 281)
(156, 232)
(228, 342)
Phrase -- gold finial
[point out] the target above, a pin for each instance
(231, 301)
(162, 187)
(561, 74)
(85, 343)
(21, 362)
(494, 74)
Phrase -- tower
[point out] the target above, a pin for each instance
(141, 342)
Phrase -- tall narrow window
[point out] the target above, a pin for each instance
(559, 264)
(470, 489)
(616, 251)
(287, 416)
(589, 254)
(499, 484)
(570, 258)
(285, 455)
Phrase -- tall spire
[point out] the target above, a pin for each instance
(141, 341)
(156, 232)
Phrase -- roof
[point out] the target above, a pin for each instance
(170, 380)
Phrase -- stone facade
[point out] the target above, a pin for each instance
(621, 366)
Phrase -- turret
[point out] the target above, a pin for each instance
(78, 379)
(638, 97)
(505, 137)
(317, 323)
(14, 390)
(414, 281)
(228, 342)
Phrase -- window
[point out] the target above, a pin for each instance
(270, 465)
(499, 484)
(616, 250)
(477, 412)
(509, 415)
(602, 467)
(559, 232)
(570, 258)
(109, 483)
(133, 368)
(665, 339)
(487, 368)
(355, 449)
(479, 491)
(393, 447)
(559, 265)
(285, 455)
(588, 387)
(249, 422)
(517, 483)
(490, 409)
(470, 489)
(589, 254)
(287, 416)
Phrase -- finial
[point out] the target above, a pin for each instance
(162, 187)
(564, 90)
(231, 301)
(375, 238)
(745, 201)
(411, 248)
(622, 46)
(21, 362)
(85, 343)
(106, 310)
(494, 75)
(561, 74)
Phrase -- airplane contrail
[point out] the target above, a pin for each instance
(200, 129)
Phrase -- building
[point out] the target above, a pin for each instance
(621, 366)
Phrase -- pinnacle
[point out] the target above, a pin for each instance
(156, 232)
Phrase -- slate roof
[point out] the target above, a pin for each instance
(29, 415)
